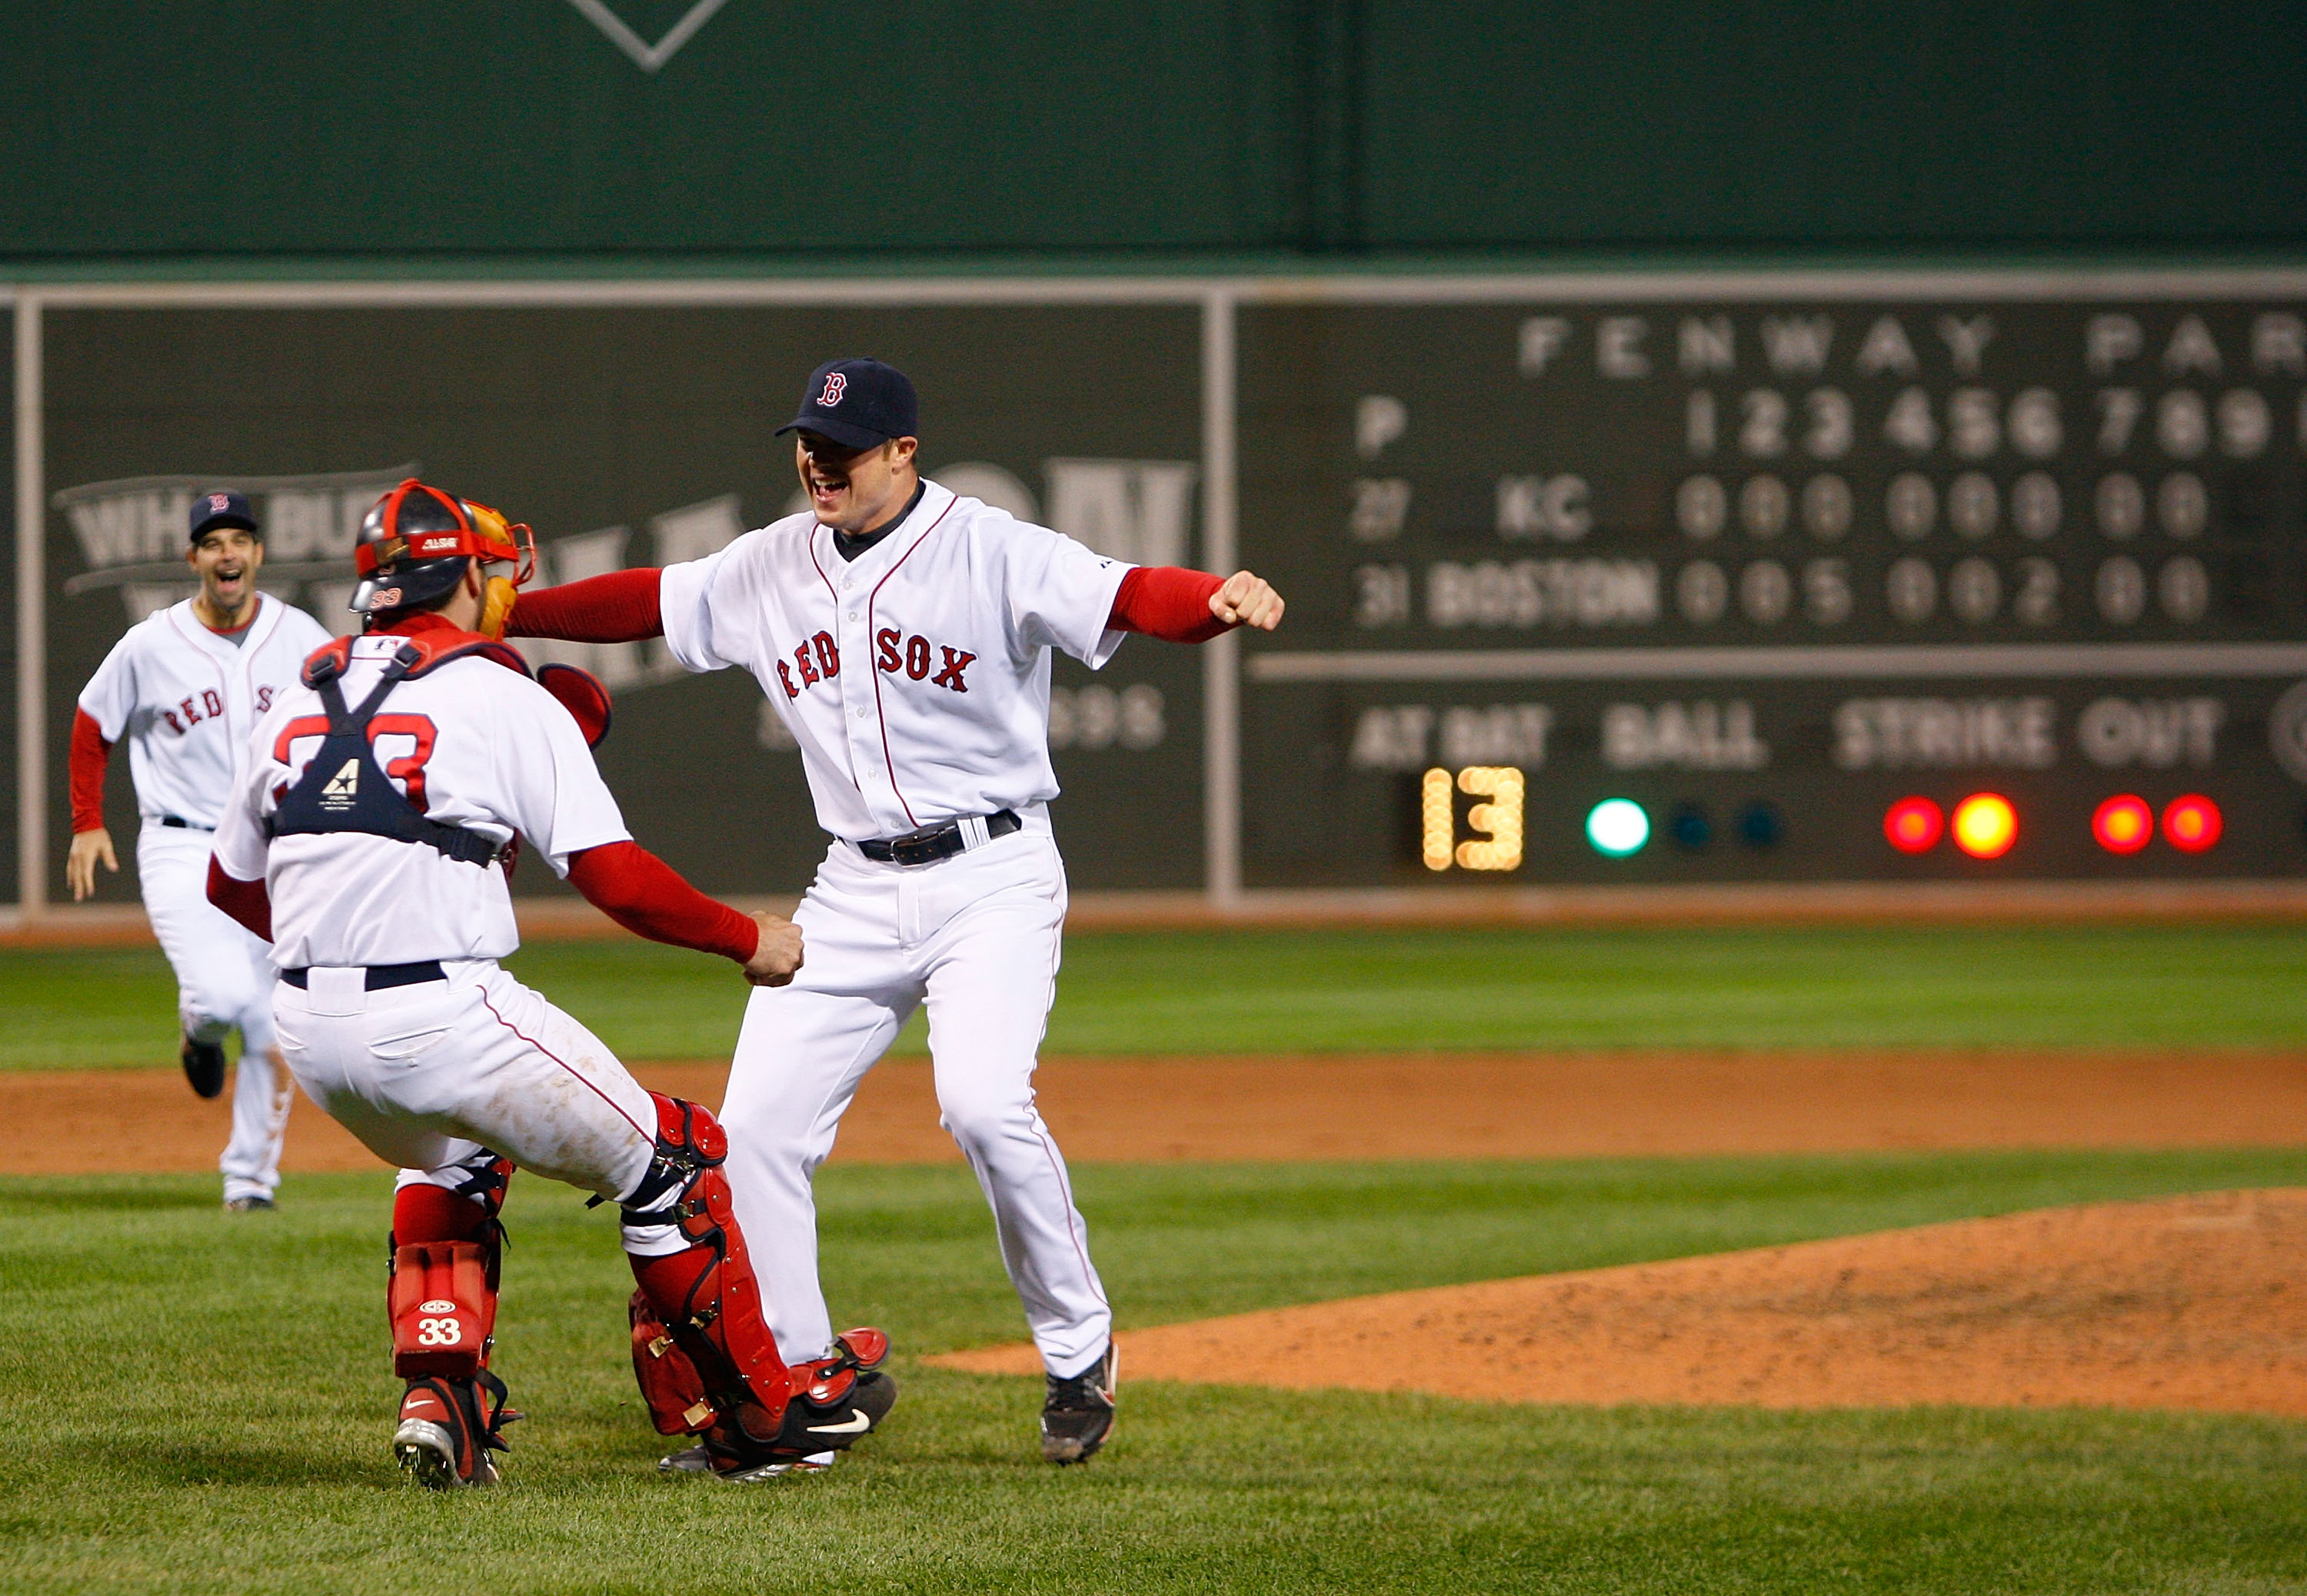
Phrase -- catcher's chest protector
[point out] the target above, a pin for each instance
(345, 789)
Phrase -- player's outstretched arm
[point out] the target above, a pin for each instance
(1184, 606)
(620, 606)
(649, 898)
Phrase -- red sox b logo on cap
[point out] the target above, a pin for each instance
(835, 384)
(219, 503)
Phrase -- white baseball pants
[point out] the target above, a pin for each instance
(976, 938)
(432, 1077)
(224, 979)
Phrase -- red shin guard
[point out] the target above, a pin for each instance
(443, 1299)
(703, 1298)
(443, 1312)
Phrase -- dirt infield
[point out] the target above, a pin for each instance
(2187, 1302)
(1357, 1106)
(2199, 1303)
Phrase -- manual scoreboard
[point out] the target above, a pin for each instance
(1736, 588)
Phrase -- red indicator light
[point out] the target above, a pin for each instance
(2192, 824)
(1985, 825)
(2123, 824)
(1913, 824)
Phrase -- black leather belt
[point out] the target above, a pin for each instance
(378, 976)
(182, 824)
(935, 842)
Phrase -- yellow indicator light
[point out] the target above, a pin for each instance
(1437, 825)
(1501, 817)
(1985, 825)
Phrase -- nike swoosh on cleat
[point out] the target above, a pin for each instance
(858, 1425)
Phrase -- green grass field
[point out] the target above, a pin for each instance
(201, 1404)
(196, 1402)
(1246, 992)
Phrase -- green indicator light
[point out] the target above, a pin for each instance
(1617, 827)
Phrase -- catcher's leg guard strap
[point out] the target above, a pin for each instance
(705, 1295)
(444, 1308)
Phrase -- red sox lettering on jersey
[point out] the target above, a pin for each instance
(208, 706)
(819, 660)
(915, 677)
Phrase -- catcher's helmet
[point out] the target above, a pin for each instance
(415, 541)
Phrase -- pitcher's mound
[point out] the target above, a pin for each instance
(2187, 1302)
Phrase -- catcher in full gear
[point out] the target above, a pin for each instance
(369, 839)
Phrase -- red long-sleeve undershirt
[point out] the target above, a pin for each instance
(1166, 601)
(89, 755)
(649, 898)
(246, 902)
(620, 606)
(1169, 603)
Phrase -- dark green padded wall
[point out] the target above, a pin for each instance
(392, 128)
(502, 126)
(1892, 122)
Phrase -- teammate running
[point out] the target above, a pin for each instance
(904, 634)
(186, 686)
(369, 840)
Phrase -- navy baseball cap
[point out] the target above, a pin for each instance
(221, 508)
(857, 403)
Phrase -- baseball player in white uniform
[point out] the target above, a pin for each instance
(186, 686)
(904, 634)
(368, 839)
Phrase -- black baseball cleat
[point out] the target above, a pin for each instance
(1077, 1415)
(204, 1068)
(836, 1402)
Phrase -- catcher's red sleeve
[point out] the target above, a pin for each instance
(620, 606)
(648, 898)
(1169, 603)
(246, 902)
(90, 755)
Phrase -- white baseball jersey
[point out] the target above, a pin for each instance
(187, 700)
(916, 677)
(471, 743)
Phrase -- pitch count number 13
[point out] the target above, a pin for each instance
(1497, 824)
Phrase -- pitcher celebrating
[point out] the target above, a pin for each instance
(186, 686)
(903, 635)
(369, 841)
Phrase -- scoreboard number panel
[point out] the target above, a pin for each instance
(1863, 587)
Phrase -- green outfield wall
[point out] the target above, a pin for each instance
(234, 132)
(1880, 575)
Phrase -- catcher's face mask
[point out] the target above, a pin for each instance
(414, 544)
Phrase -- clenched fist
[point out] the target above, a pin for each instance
(1246, 601)
(776, 959)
